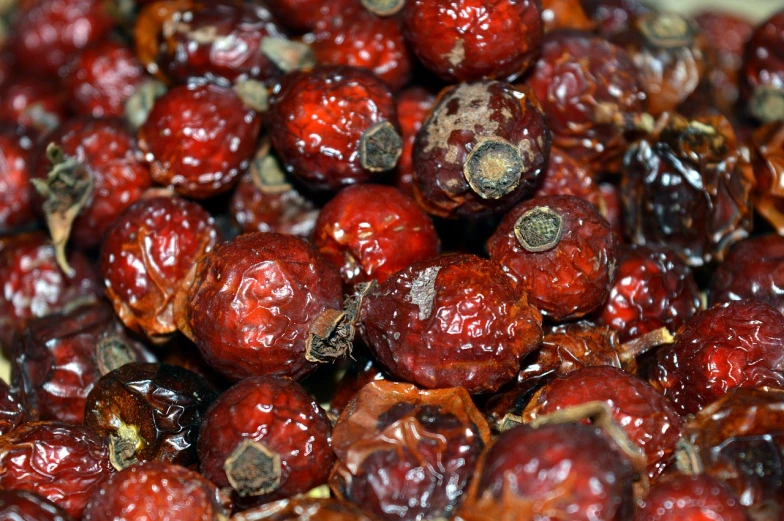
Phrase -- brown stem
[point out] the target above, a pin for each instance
(539, 229)
(494, 168)
(380, 147)
(253, 469)
(384, 7)
(687, 458)
(643, 344)
(288, 55)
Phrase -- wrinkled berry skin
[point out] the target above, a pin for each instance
(33, 285)
(60, 462)
(282, 416)
(456, 320)
(763, 64)
(462, 40)
(317, 118)
(16, 192)
(58, 359)
(568, 176)
(370, 232)
(690, 498)
(653, 288)
(11, 409)
(740, 344)
(198, 139)
(146, 256)
(311, 509)
(768, 153)
(20, 505)
(253, 302)
(648, 418)
(31, 102)
(102, 79)
(688, 187)
(413, 106)
(405, 453)
(163, 404)
(573, 277)
(463, 117)
(542, 473)
(581, 82)
(156, 491)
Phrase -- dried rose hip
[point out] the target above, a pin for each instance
(653, 288)
(690, 498)
(483, 147)
(565, 14)
(740, 344)
(266, 438)
(32, 102)
(12, 411)
(334, 126)
(311, 509)
(688, 187)
(413, 106)
(155, 491)
(199, 138)
(370, 232)
(464, 40)
(146, 256)
(568, 176)
(612, 204)
(58, 359)
(60, 462)
(456, 320)
(359, 374)
(149, 412)
(613, 16)
(306, 15)
(405, 453)
(762, 75)
(21, 505)
(562, 252)
(262, 304)
(16, 192)
(768, 151)
(590, 92)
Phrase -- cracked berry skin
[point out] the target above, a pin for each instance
(108, 151)
(370, 232)
(310, 509)
(317, 118)
(279, 414)
(413, 106)
(653, 288)
(58, 360)
(198, 139)
(407, 453)
(690, 498)
(253, 302)
(568, 176)
(581, 81)
(763, 66)
(61, 462)
(464, 117)
(16, 192)
(574, 276)
(464, 40)
(155, 491)
(102, 79)
(21, 505)
(28, 101)
(147, 255)
(164, 406)
(12, 411)
(648, 418)
(456, 320)
(739, 344)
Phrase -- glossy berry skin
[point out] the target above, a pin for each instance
(456, 320)
(565, 14)
(278, 414)
(253, 302)
(20, 505)
(405, 453)
(156, 491)
(60, 462)
(763, 68)
(568, 176)
(653, 288)
(464, 40)
(311, 509)
(613, 16)
(582, 81)
(146, 256)
(574, 276)
(361, 373)
(12, 411)
(58, 359)
(370, 232)
(16, 192)
(740, 344)
(413, 106)
(317, 119)
(306, 15)
(648, 418)
(447, 182)
(102, 79)
(690, 498)
(768, 160)
(30, 102)
(149, 412)
(198, 139)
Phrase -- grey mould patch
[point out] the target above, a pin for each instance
(423, 291)
(457, 54)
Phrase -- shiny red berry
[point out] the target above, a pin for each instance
(21, 505)
(314, 509)
(762, 75)
(306, 15)
(16, 192)
(31, 102)
(413, 106)
(12, 411)
(690, 498)
(566, 175)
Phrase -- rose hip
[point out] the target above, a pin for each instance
(306, 15)
(456, 320)
(12, 411)
(768, 151)
(312, 509)
(31, 102)
(568, 176)
(690, 498)
(20, 505)
(762, 75)
(360, 373)
(413, 106)
(565, 14)
(613, 16)
(16, 192)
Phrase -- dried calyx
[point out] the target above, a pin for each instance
(539, 229)
(494, 168)
(380, 147)
(124, 444)
(607, 113)
(254, 94)
(111, 353)
(767, 104)
(288, 55)
(266, 172)
(139, 105)
(666, 30)
(384, 7)
(253, 469)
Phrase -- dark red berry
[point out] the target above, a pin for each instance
(413, 106)
(21, 505)
(690, 498)
(612, 203)
(768, 153)
(762, 75)
(16, 192)
(312, 509)
(613, 15)
(361, 372)
(568, 176)
(12, 411)
(306, 15)
(31, 102)
(565, 14)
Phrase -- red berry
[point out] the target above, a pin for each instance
(568, 176)
(16, 192)
(20, 505)
(690, 498)
(312, 509)
(565, 14)
(361, 372)
(12, 411)
(762, 75)
(32, 102)
(768, 159)
(413, 106)
(306, 15)
(613, 15)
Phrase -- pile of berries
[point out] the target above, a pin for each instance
(390, 260)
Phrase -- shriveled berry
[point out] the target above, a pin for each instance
(31, 102)
(740, 344)
(198, 139)
(334, 126)
(465, 40)
(12, 412)
(16, 192)
(690, 498)
(567, 176)
(456, 320)
(768, 154)
(21, 505)
(60, 462)
(413, 105)
(149, 412)
(762, 75)
(483, 148)
(405, 453)
(561, 250)
(311, 509)
(146, 256)
(266, 438)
